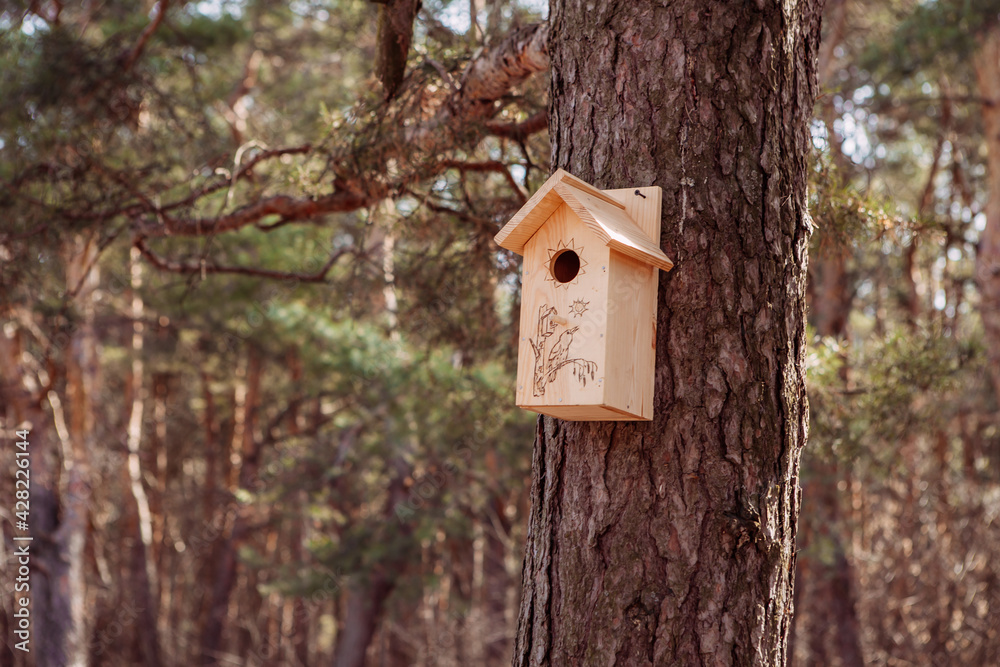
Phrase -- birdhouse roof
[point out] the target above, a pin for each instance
(603, 214)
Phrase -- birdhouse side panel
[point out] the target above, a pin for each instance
(561, 356)
(631, 349)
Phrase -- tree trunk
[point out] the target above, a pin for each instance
(496, 582)
(672, 542)
(225, 558)
(143, 565)
(300, 613)
(364, 598)
(987, 65)
(830, 605)
(60, 505)
(831, 293)
(23, 394)
(363, 604)
(829, 585)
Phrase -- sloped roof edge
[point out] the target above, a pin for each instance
(601, 212)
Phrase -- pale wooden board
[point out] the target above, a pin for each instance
(621, 305)
(540, 206)
(615, 226)
(516, 233)
(589, 288)
(644, 209)
(631, 336)
(589, 413)
(580, 184)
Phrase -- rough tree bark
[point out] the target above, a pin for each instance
(672, 542)
(987, 65)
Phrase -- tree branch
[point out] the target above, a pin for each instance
(201, 268)
(487, 79)
(460, 214)
(495, 166)
(519, 131)
(394, 33)
(234, 111)
(244, 170)
(133, 55)
(288, 208)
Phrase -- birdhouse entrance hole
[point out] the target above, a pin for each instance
(565, 266)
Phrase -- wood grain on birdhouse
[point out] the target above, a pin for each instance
(587, 340)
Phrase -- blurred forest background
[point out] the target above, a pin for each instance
(262, 441)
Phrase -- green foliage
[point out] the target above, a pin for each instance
(892, 382)
(206, 35)
(930, 34)
(843, 214)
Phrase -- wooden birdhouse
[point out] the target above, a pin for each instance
(587, 343)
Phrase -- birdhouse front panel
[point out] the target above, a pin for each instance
(587, 343)
(563, 317)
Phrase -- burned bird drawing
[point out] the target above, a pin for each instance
(549, 361)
